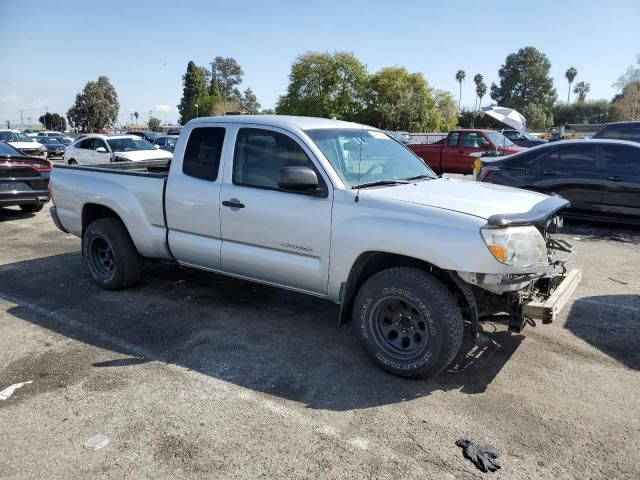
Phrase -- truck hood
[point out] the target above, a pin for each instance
(482, 200)
(140, 155)
(25, 145)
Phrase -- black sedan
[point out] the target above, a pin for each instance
(54, 147)
(24, 180)
(601, 178)
(523, 139)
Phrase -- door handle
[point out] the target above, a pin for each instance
(614, 178)
(233, 203)
(548, 172)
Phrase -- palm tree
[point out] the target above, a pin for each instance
(478, 79)
(570, 75)
(582, 88)
(460, 76)
(135, 114)
(481, 91)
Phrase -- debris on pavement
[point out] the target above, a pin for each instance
(7, 392)
(576, 238)
(97, 442)
(618, 281)
(484, 459)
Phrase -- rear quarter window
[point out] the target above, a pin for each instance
(202, 155)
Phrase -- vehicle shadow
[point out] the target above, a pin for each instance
(7, 214)
(592, 230)
(610, 323)
(263, 338)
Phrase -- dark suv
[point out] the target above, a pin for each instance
(620, 131)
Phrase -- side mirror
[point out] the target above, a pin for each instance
(101, 150)
(157, 147)
(298, 179)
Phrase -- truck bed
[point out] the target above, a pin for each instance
(133, 190)
(158, 168)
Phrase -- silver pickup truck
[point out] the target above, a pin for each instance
(332, 209)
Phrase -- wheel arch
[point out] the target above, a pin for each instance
(95, 211)
(370, 263)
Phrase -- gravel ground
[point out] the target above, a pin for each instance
(194, 375)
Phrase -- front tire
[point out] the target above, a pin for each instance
(408, 321)
(110, 254)
(72, 162)
(31, 207)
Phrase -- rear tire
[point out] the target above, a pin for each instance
(72, 162)
(32, 207)
(110, 254)
(408, 321)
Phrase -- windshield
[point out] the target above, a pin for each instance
(15, 137)
(129, 144)
(383, 159)
(49, 141)
(499, 140)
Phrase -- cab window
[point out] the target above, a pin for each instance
(260, 156)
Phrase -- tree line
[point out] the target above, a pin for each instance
(337, 85)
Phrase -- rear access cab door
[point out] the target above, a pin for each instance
(621, 179)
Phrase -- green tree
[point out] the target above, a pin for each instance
(53, 121)
(460, 76)
(325, 85)
(599, 111)
(581, 89)
(399, 100)
(96, 106)
(628, 99)
(136, 114)
(154, 124)
(525, 85)
(227, 75)
(444, 114)
(628, 103)
(267, 111)
(194, 92)
(214, 93)
(249, 102)
(570, 75)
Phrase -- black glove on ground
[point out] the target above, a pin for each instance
(485, 460)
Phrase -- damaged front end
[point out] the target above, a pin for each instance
(545, 286)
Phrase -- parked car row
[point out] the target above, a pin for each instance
(97, 149)
(23, 179)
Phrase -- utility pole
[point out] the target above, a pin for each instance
(149, 119)
(29, 119)
(21, 119)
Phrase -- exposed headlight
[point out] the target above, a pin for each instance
(42, 148)
(521, 247)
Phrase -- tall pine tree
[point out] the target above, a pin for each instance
(194, 92)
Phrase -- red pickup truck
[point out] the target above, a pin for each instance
(453, 153)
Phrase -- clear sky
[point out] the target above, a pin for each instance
(48, 51)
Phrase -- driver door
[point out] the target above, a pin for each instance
(270, 234)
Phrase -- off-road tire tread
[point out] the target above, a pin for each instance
(127, 259)
(438, 294)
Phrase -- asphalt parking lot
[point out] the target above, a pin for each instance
(192, 374)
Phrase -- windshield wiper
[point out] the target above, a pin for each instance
(418, 177)
(380, 183)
